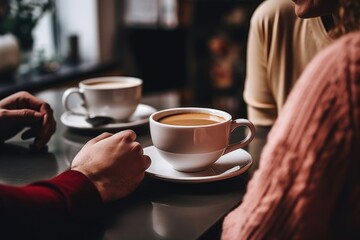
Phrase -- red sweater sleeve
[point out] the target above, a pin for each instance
(44, 208)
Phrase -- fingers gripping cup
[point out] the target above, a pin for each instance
(192, 139)
(115, 97)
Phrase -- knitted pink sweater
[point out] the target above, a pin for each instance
(308, 182)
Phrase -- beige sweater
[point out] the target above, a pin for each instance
(308, 182)
(280, 45)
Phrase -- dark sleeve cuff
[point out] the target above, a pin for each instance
(82, 197)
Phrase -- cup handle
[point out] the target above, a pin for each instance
(65, 98)
(237, 123)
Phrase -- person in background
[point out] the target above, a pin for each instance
(280, 45)
(308, 185)
(109, 167)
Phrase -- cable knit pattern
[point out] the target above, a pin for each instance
(308, 182)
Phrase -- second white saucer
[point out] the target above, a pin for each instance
(140, 116)
(228, 166)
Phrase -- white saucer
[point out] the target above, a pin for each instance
(140, 116)
(239, 161)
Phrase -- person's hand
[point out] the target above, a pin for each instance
(114, 163)
(22, 110)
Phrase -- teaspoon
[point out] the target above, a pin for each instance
(99, 120)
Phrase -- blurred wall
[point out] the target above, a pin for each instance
(79, 17)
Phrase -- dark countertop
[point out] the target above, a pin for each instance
(67, 73)
(158, 209)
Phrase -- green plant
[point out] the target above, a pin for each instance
(20, 17)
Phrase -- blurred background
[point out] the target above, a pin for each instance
(197, 46)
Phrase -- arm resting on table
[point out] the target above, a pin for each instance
(46, 207)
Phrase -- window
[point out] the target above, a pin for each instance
(53, 32)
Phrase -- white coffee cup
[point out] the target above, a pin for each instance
(116, 97)
(194, 145)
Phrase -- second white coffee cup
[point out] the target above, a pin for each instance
(116, 96)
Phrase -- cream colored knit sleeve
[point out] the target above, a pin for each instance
(261, 104)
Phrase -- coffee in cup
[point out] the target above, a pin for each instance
(192, 139)
(116, 97)
(191, 119)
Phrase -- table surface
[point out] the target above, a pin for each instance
(157, 209)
